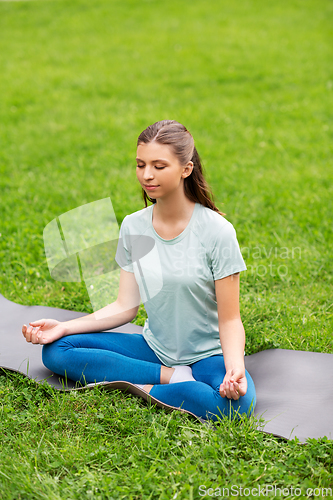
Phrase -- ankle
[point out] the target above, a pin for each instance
(166, 374)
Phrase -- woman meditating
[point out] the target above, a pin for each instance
(191, 351)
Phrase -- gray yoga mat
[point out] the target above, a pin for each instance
(294, 388)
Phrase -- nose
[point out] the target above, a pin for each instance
(148, 173)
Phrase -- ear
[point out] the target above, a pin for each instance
(187, 170)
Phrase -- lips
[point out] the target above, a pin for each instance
(150, 186)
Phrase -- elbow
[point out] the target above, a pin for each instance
(128, 312)
(126, 309)
(133, 312)
(226, 322)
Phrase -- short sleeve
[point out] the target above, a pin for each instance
(226, 257)
(123, 254)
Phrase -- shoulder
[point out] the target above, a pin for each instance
(212, 226)
(137, 222)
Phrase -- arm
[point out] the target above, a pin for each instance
(232, 336)
(123, 310)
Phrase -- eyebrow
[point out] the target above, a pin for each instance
(154, 161)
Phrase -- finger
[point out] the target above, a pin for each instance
(232, 393)
(30, 330)
(222, 391)
(34, 339)
(24, 329)
(235, 391)
(234, 379)
(39, 322)
(224, 384)
(35, 335)
(30, 334)
(242, 390)
(228, 390)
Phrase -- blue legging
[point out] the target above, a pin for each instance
(96, 357)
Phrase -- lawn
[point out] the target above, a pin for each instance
(253, 82)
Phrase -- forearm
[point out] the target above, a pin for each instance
(232, 336)
(111, 316)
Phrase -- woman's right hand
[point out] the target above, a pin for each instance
(43, 331)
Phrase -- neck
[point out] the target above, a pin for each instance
(174, 208)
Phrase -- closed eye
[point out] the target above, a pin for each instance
(157, 168)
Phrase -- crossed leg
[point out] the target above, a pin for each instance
(98, 357)
(203, 397)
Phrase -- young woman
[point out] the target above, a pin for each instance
(191, 351)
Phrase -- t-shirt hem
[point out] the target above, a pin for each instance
(128, 267)
(188, 361)
(229, 272)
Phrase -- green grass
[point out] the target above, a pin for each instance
(253, 82)
(110, 445)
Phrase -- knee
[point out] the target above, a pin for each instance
(246, 404)
(51, 353)
(234, 408)
(46, 356)
(250, 396)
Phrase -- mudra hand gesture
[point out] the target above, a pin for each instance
(43, 331)
(234, 385)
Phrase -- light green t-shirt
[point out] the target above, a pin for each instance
(176, 280)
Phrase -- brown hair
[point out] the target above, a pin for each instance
(175, 135)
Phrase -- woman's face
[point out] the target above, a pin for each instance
(159, 171)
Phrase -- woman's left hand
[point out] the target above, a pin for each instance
(234, 384)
